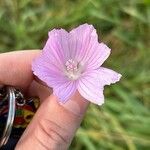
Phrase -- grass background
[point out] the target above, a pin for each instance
(123, 122)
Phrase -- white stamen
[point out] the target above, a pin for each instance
(73, 69)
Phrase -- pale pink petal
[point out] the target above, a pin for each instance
(108, 76)
(97, 55)
(81, 39)
(85, 47)
(89, 87)
(57, 47)
(65, 91)
(92, 83)
(48, 72)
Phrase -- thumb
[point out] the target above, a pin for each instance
(54, 125)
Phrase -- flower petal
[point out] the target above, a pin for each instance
(90, 88)
(85, 47)
(65, 91)
(108, 76)
(56, 49)
(47, 72)
(97, 55)
(80, 39)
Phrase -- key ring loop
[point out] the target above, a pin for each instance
(10, 118)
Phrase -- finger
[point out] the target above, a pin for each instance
(37, 89)
(54, 125)
(15, 68)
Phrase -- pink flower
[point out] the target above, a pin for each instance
(71, 61)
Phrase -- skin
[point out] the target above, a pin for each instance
(54, 125)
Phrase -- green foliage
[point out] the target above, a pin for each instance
(123, 122)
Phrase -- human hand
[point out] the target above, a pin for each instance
(54, 125)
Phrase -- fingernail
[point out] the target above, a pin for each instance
(76, 104)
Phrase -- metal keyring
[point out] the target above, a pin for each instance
(11, 115)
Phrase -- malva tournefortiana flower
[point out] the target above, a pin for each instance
(71, 61)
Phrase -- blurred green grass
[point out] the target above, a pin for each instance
(123, 122)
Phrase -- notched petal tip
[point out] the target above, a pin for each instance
(86, 25)
(91, 28)
(107, 76)
(85, 28)
(56, 32)
(118, 77)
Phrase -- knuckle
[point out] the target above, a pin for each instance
(51, 136)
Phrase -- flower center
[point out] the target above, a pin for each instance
(72, 69)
